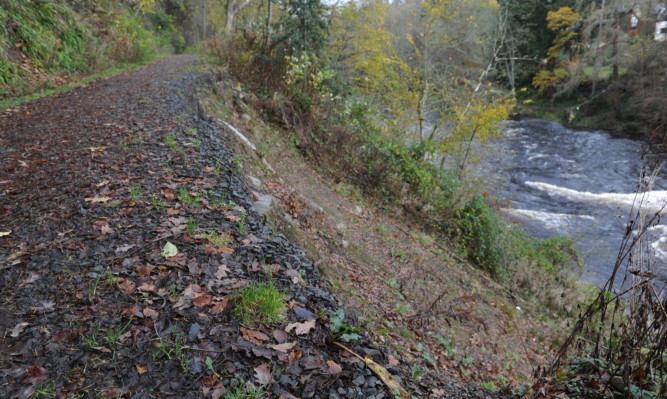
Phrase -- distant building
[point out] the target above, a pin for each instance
(661, 30)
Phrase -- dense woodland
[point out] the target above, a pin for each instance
(399, 99)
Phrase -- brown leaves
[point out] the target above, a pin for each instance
(35, 374)
(219, 306)
(285, 347)
(333, 367)
(102, 226)
(153, 314)
(203, 300)
(254, 336)
(127, 286)
(263, 374)
(65, 336)
(301, 328)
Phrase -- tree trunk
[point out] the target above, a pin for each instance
(233, 8)
(596, 49)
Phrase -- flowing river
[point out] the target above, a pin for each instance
(576, 183)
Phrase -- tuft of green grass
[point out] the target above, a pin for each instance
(157, 205)
(218, 240)
(92, 339)
(186, 197)
(113, 335)
(260, 303)
(46, 391)
(190, 131)
(216, 169)
(92, 289)
(135, 192)
(191, 226)
(170, 139)
(242, 225)
(246, 392)
(238, 161)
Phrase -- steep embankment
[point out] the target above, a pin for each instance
(444, 319)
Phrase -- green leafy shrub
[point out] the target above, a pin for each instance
(481, 236)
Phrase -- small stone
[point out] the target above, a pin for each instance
(254, 183)
(359, 381)
(342, 391)
(334, 395)
(344, 244)
(371, 352)
(358, 210)
(341, 227)
(194, 331)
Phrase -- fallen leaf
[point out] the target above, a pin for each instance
(5, 233)
(131, 311)
(127, 286)
(262, 352)
(168, 194)
(219, 306)
(295, 355)
(202, 301)
(210, 380)
(301, 328)
(30, 279)
(169, 250)
(45, 307)
(148, 287)
(94, 149)
(140, 369)
(254, 336)
(153, 314)
(104, 183)
(282, 347)
(65, 336)
(263, 374)
(18, 329)
(98, 199)
(392, 360)
(34, 374)
(280, 335)
(221, 272)
(143, 271)
(333, 367)
(124, 248)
